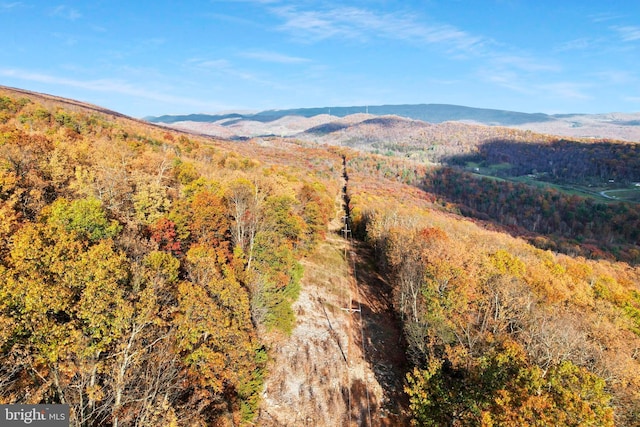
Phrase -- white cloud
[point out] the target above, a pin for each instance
(516, 82)
(276, 57)
(229, 18)
(66, 12)
(211, 64)
(519, 73)
(98, 28)
(628, 33)
(363, 25)
(103, 85)
(9, 6)
(225, 67)
(66, 39)
(569, 90)
(445, 82)
(151, 42)
(618, 77)
(604, 17)
(507, 79)
(524, 63)
(575, 44)
(247, 1)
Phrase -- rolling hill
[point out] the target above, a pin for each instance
(622, 126)
(151, 276)
(433, 113)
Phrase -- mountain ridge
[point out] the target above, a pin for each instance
(433, 113)
(618, 126)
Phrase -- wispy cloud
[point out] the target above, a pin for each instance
(210, 64)
(444, 82)
(364, 25)
(566, 90)
(616, 77)
(103, 85)
(226, 67)
(98, 28)
(9, 6)
(502, 65)
(575, 44)
(230, 18)
(247, 1)
(66, 39)
(66, 12)
(516, 82)
(518, 72)
(628, 33)
(604, 17)
(268, 56)
(507, 79)
(524, 63)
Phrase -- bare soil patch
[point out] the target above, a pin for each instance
(339, 367)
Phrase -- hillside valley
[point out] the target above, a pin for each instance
(353, 268)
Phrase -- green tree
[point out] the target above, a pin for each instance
(502, 388)
(215, 333)
(86, 217)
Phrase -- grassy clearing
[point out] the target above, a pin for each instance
(572, 190)
(500, 166)
(627, 194)
(488, 171)
(604, 193)
(327, 267)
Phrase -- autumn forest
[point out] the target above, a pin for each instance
(150, 276)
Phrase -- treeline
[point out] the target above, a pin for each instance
(612, 227)
(501, 333)
(139, 268)
(583, 163)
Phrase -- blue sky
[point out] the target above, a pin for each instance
(144, 57)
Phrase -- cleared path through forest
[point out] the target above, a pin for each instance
(344, 363)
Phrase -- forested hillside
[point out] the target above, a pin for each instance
(500, 333)
(150, 277)
(417, 140)
(141, 268)
(560, 160)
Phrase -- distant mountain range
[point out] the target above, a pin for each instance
(292, 122)
(432, 113)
